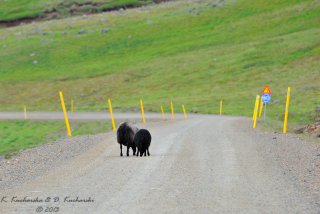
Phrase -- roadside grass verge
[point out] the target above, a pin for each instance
(20, 135)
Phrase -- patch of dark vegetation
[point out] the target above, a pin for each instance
(302, 52)
(258, 64)
(16, 22)
(313, 129)
(67, 9)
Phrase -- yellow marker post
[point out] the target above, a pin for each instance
(256, 108)
(111, 116)
(261, 107)
(65, 114)
(184, 112)
(172, 110)
(72, 106)
(162, 112)
(142, 111)
(220, 105)
(25, 112)
(286, 112)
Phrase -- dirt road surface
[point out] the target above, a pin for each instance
(206, 164)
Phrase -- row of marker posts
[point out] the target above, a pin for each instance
(257, 112)
(143, 114)
(111, 113)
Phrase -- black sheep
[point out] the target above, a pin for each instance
(125, 136)
(142, 140)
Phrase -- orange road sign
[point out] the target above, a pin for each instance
(266, 90)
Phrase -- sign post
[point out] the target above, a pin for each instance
(264, 112)
(162, 112)
(220, 105)
(65, 114)
(256, 109)
(286, 112)
(25, 112)
(72, 106)
(172, 110)
(261, 107)
(184, 112)
(142, 111)
(266, 97)
(111, 115)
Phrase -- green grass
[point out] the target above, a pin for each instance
(20, 135)
(20, 9)
(170, 51)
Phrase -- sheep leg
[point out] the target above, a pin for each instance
(121, 150)
(128, 147)
(141, 153)
(134, 150)
(148, 151)
(145, 153)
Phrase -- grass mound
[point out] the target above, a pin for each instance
(193, 52)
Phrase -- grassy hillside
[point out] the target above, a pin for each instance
(21, 9)
(189, 51)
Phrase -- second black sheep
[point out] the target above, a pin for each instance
(142, 141)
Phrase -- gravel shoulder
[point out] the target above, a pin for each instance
(298, 158)
(206, 164)
(35, 162)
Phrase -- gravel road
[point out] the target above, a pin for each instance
(206, 164)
